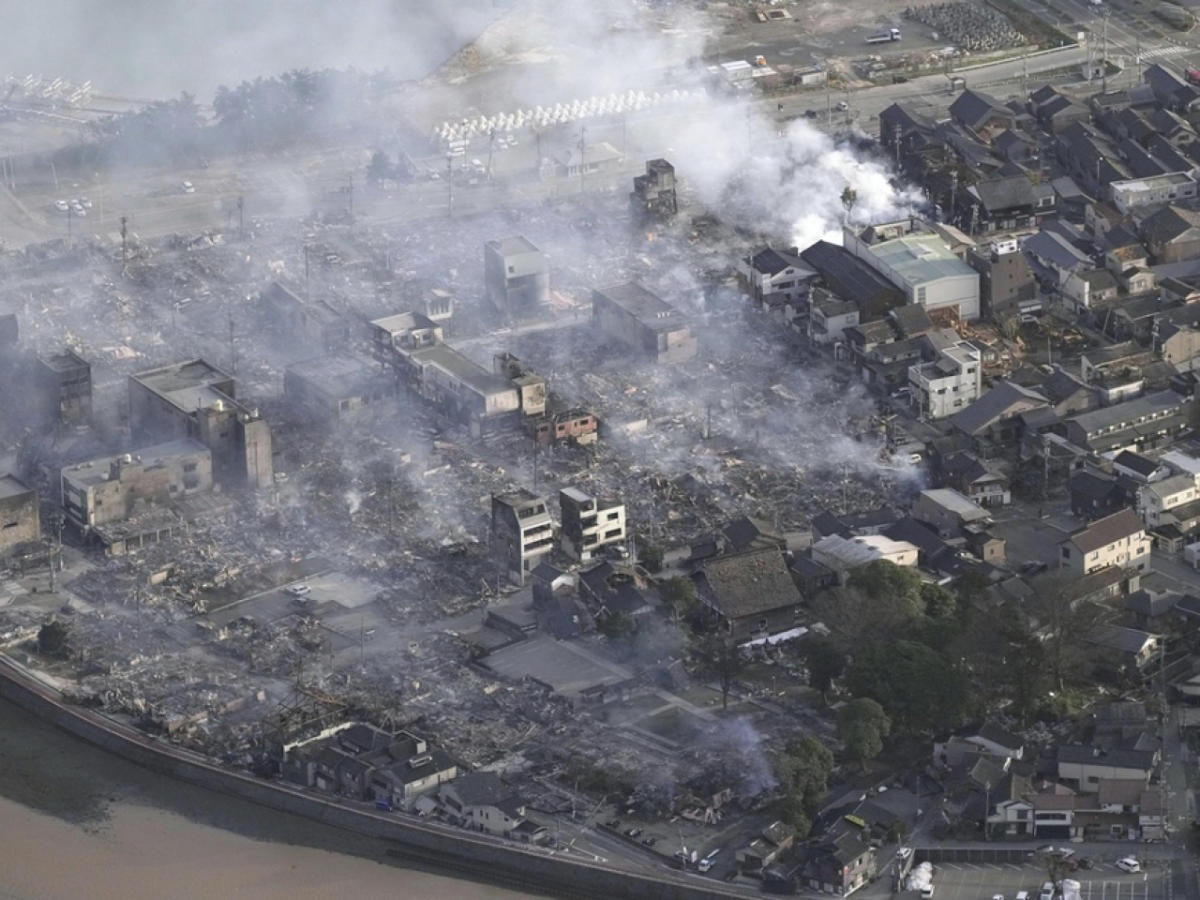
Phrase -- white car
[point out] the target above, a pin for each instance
(1130, 865)
(997, 897)
(904, 853)
(298, 590)
(62, 205)
(189, 188)
(85, 202)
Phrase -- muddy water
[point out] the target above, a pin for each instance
(78, 822)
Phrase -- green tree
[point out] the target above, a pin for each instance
(615, 626)
(862, 725)
(53, 638)
(917, 687)
(650, 556)
(723, 658)
(679, 595)
(803, 772)
(938, 602)
(824, 660)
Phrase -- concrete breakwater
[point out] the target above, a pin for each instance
(455, 851)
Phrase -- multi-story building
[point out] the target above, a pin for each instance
(412, 345)
(774, 277)
(1157, 499)
(516, 276)
(302, 320)
(337, 389)
(1005, 279)
(1144, 422)
(920, 264)
(588, 524)
(113, 488)
(65, 382)
(644, 322)
(522, 532)
(653, 194)
(829, 317)
(196, 400)
(1116, 540)
(946, 384)
(19, 514)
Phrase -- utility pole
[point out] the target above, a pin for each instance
(350, 195)
(70, 216)
(828, 104)
(582, 156)
(1104, 57)
(241, 208)
(232, 345)
(450, 185)
(307, 293)
(124, 245)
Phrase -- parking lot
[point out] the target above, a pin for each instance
(962, 881)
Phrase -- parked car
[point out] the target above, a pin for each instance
(1129, 864)
(298, 590)
(633, 832)
(650, 841)
(188, 187)
(613, 824)
(810, 114)
(904, 853)
(62, 205)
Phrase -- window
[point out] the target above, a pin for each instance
(190, 467)
(920, 295)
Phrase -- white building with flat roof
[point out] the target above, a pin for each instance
(948, 383)
(921, 265)
(1170, 187)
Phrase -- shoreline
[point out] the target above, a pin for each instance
(439, 848)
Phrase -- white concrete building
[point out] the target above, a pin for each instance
(842, 555)
(920, 264)
(1170, 187)
(948, 383)
(588, 524)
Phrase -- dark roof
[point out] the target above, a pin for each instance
(1054, 248)
(1135, 462)
(1004, 193)
(918, 534)
(826, 522)
(845, 274)
(1189, 605)
(748, 584)
(1061, 385)
(996, 404)
(742, 532)
(772, 262)
(1168, 224)
(481, 789)
(1121, 759)
(1118, 637)
(1092, 485)
(1121, 236)
(912, 319)
(974, 108)
(990, 731)
(1121, 524)
(614, 588)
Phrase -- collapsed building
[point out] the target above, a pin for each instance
(653, 195)
(305, 321)
(194, 399)
(64, 382)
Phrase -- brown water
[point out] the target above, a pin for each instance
(78, 822)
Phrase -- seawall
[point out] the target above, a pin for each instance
(456, 851)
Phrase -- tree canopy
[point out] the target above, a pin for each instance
(862, 726)
(919, 688)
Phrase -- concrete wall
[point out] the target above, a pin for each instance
(19, 520)
(492, 859)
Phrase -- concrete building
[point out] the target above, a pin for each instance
(949, 382)
(644, 322)
(588, 524)
(297, 319)
(1136, 193)
(19, 514)
(948, 512)
(919, 264)
(522, 532)
(1116, 540)
(1005, 279)
(338, 390)
(653, 195)
(196, 400)
(481, 399)
(516, 277)
(842, 555)
(773, 278)
(1157, 499)
(64, 381)
(114, 488)
(829, 317)
(1142, 423)
(480, 801)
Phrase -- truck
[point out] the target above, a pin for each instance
(885, 37)
(707, 863)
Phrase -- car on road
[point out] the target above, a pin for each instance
(188, 187)
(904, 853)
(1129, 864)
(650, 841)
(614, 824)
(85, 202)
(62, 205)
(633, 832)
(842, 106)
(810, 114)
(1047, 892)
(298, 590)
